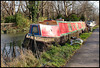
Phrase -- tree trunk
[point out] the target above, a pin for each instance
(13, 7)
(65, 9)
(42, 9)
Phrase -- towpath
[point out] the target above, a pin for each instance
(88, 54)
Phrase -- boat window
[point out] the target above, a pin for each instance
(70, 27)
(35, 29)
(81, 25)
(77, 26)
(74, 26)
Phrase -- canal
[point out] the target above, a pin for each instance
(11, 44)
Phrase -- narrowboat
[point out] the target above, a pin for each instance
(54, 31)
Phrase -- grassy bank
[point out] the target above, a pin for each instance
(95, 27)
(57, 56)
(84, 36)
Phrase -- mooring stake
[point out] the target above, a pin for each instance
(36, 48)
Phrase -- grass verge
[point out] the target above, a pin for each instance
(95, 27)
(57, 56)
(84, 36)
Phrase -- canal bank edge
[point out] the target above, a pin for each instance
(14, 31)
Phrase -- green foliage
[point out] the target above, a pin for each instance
(2, 32)
(57, 56)
(82, 17)
(2, 20)
(10, 19)
(53, 56)
(33, 8)
(21, 21)
(95, 27)
(73, 17)
(59, 16)
(42, 18)
(85, 35)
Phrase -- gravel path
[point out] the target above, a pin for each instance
(88, 54)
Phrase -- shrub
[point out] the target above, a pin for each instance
(10, 19)
(21, 21)
(82, 17)
(59, 16)
(42, 18)
(73, 17)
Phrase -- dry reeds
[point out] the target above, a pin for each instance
(24, 60)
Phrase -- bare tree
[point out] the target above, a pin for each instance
(50, 8)
(13, 7)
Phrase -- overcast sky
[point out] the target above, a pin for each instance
(96, 3)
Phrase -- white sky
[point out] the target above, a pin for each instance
(96, 3)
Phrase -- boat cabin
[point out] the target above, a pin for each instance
(52, 28)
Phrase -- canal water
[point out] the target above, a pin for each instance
(11, 44)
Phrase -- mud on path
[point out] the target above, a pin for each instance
(88, 54)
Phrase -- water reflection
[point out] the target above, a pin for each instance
(11, 45)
